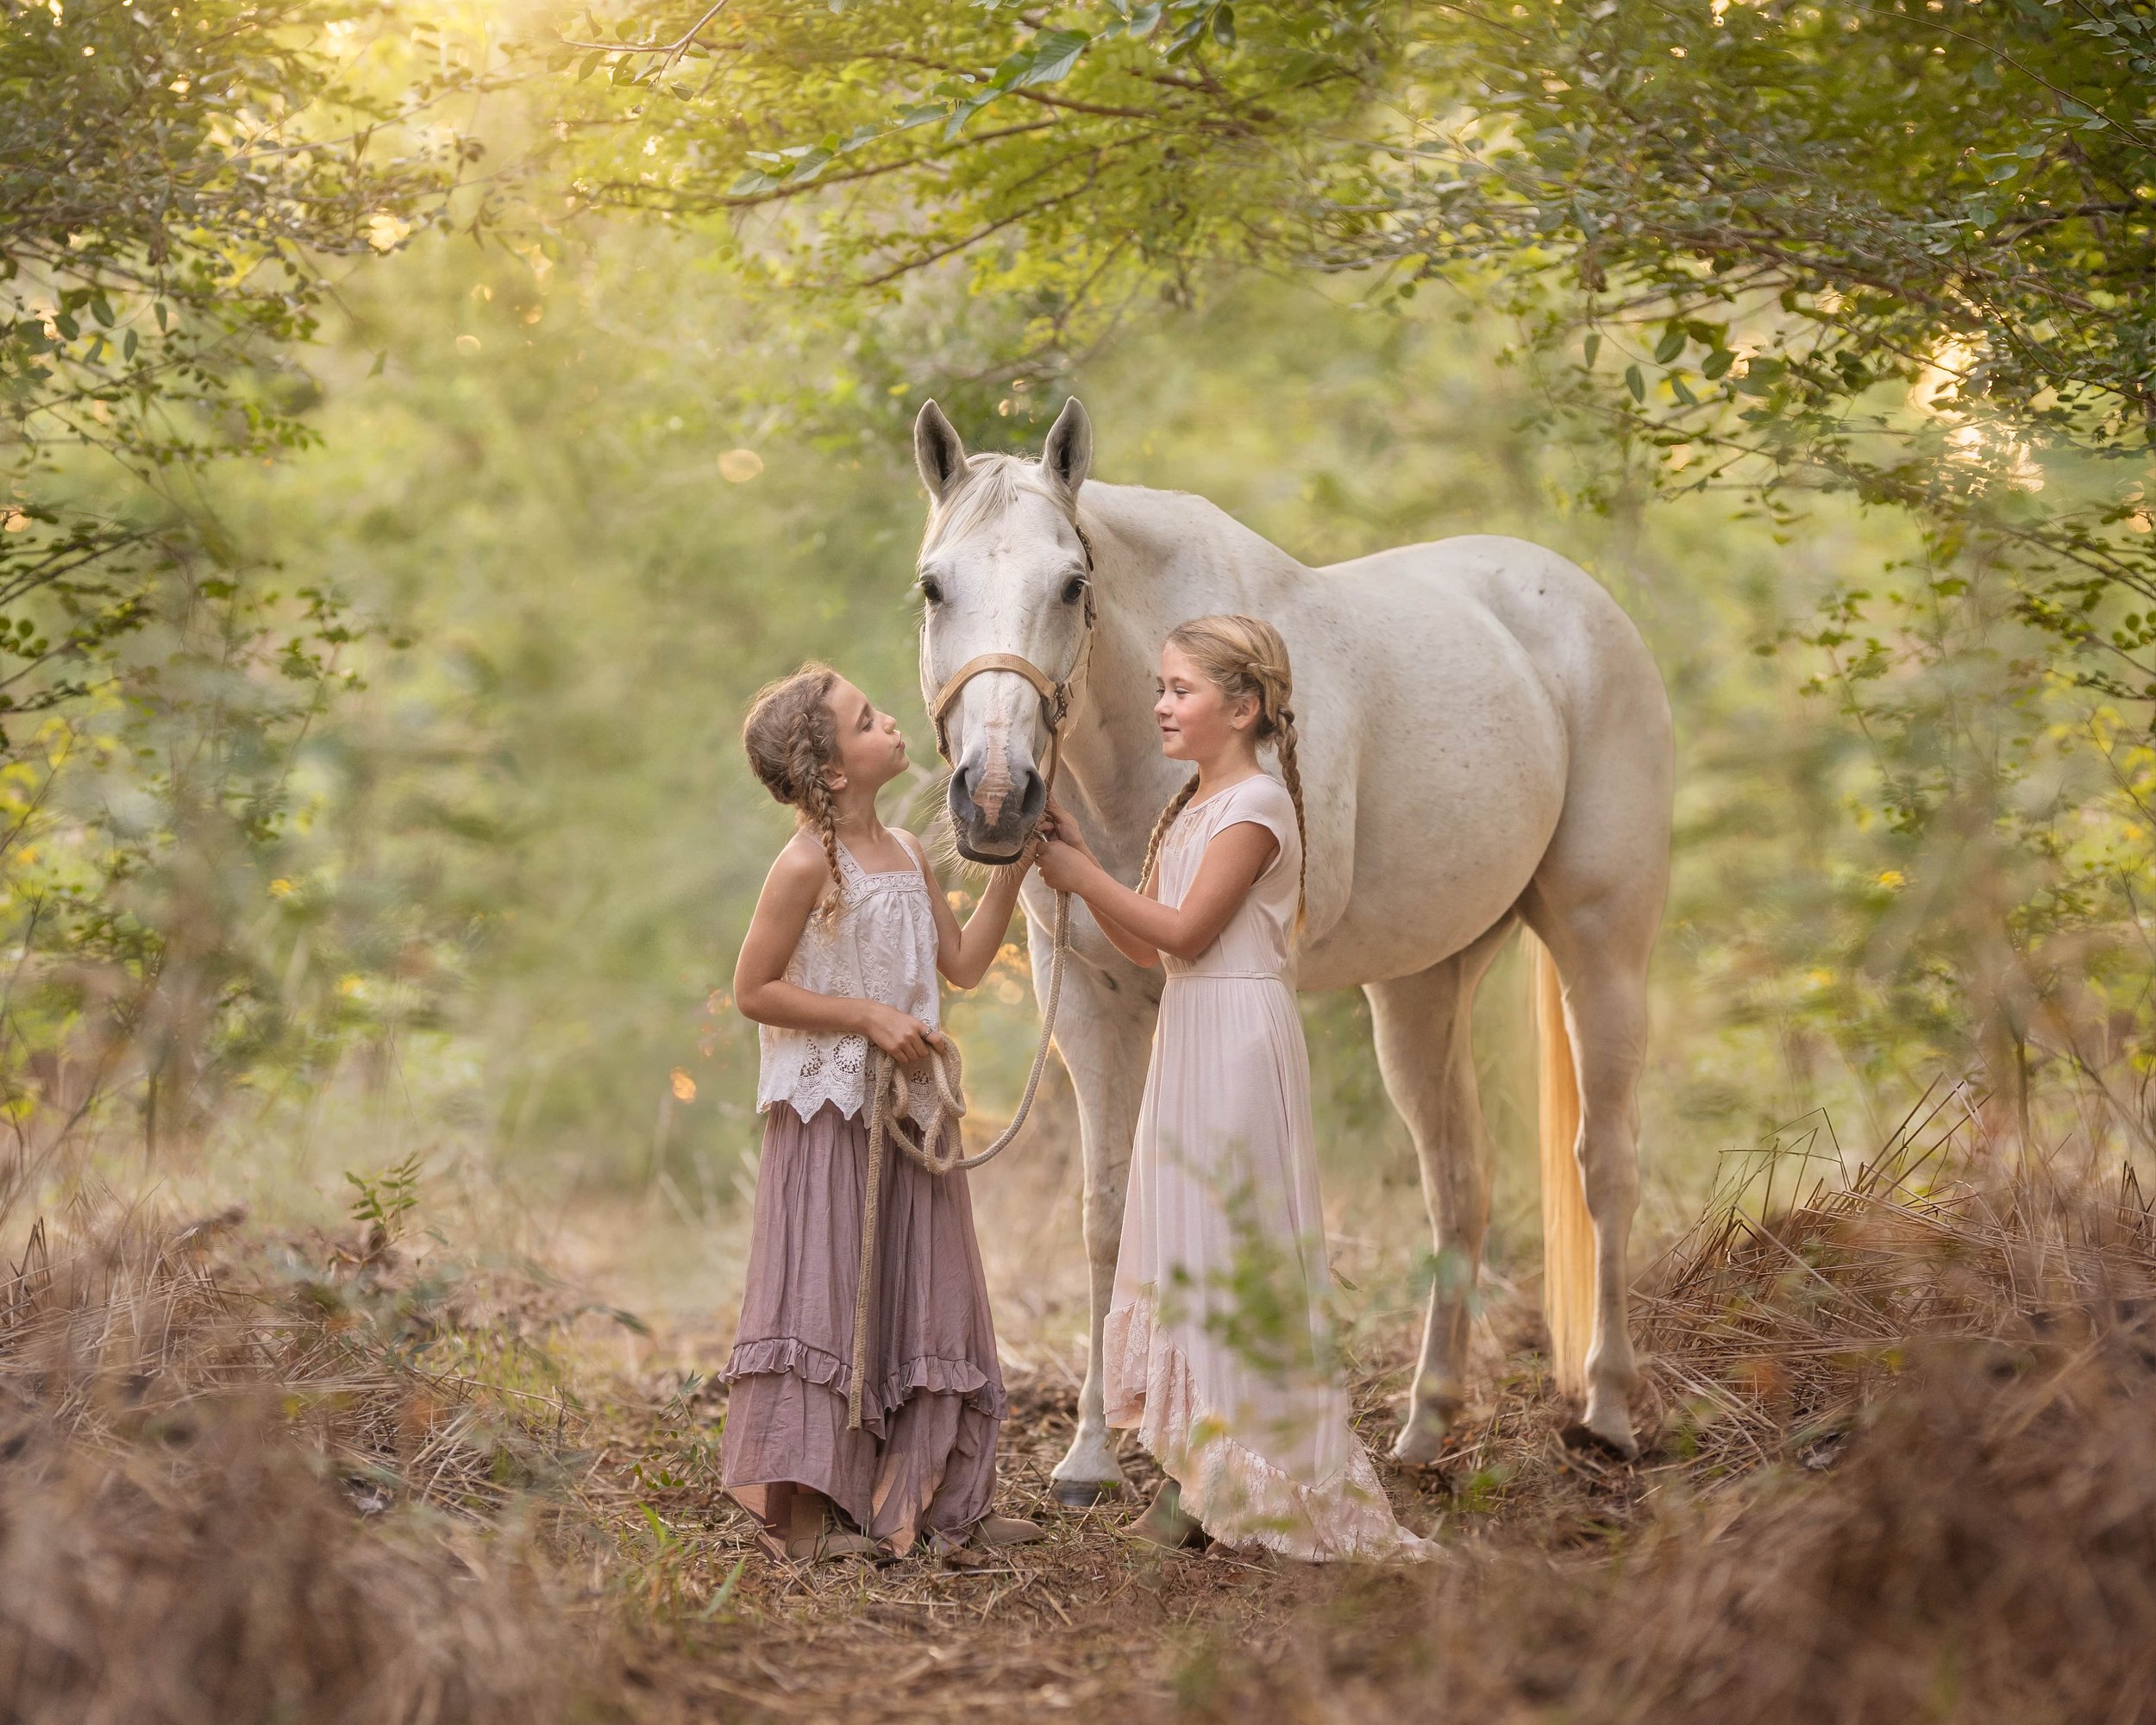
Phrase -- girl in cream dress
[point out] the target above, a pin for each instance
(1217, 1346)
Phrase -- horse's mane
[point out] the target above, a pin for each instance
(992, 484)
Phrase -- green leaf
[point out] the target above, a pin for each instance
(717, 1600)
(1635, 383)
(1669, 347)
(1592, 346)
(1717, 364)
(1054, 55)
(962, 112)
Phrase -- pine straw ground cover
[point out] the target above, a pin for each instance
(1903, 1467)
(247, 1480)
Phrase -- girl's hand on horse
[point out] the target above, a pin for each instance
(1064, 866)
(1056, 825)
(900, 1035)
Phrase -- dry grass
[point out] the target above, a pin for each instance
(1907, 1470)
(1904, 1468)
(230, 1491)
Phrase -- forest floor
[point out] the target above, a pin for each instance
(1086, 1620)
(1902, 1464)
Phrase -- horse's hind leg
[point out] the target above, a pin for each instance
(1596, 906)
(1425, 1051)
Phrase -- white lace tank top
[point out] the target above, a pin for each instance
(879, 944)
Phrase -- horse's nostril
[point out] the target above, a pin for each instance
(1034, 799)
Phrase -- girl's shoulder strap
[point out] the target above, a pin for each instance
(849, 871)
(918, 851)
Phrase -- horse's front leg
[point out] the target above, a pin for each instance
(1104, 1032)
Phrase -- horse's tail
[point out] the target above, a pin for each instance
(1568, 1230)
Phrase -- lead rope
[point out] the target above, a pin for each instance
(889, 1091)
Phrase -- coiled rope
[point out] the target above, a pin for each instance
(890, 1090)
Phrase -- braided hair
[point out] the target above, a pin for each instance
(1242, 655)
(1176, 805)
(792, 743)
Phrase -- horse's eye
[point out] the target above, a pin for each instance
(931, 590)
(1073, 589)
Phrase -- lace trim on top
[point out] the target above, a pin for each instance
(877, 942)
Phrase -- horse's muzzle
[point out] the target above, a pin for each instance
(997, 833)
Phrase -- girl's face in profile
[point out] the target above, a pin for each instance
(871, 748)
(1197, 722)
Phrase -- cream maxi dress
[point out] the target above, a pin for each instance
(1218, 1348)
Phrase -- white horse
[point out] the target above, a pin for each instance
(1485, 742)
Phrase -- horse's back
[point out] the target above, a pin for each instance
(1564, 619)
(1463, 680)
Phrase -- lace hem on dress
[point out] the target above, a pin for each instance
(1236, 1494)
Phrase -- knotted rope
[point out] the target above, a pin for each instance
(890, 1091)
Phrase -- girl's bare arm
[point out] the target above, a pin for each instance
(791, 890)
(963, 954)
(1234, 861)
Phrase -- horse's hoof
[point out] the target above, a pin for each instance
(1083, 1493)
(1420, 1443)
(1619, 1446)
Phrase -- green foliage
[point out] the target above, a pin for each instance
(385, 1199)
(404, 771)
(1901, 251)
(1766, 216)
(171, 192)
(181, 190)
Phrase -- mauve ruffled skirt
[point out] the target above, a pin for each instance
(924, 1458)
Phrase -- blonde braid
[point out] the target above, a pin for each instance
(1284, 740)
(1177, 804)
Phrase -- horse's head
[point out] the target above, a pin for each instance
(1003, 571)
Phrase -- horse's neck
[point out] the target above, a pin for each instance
(1164, 558)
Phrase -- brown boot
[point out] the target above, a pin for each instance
(1164, 1524)
(813, 1534)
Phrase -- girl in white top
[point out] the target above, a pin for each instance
(1217, 1345)
(843, 951)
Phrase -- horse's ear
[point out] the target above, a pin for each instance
(1067, 455)
(937, 451)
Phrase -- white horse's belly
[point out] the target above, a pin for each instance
(1457, 754)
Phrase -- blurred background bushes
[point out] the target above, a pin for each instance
(406, 812)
